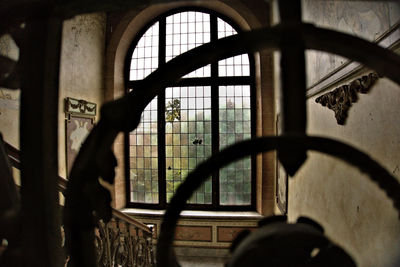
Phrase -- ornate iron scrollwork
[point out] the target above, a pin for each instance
(390, 185)
(117, 246)
(101, 245)
(121, 253)
(96, 158)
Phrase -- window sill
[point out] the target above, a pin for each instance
(245, 215)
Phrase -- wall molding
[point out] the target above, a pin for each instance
(79, 107)
(341, 99)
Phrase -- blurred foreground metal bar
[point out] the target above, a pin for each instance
(293, 83)
(39, 66)
(124, 113)
(85, 195)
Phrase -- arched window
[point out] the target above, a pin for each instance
(206, 111)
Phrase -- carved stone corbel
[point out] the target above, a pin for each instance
(340, 99)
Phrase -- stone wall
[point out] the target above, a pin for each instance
(354, 211)
(81, 75)
(81, 68)
(369, 20)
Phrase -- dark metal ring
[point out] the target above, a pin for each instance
(388, 183)
(124, 114)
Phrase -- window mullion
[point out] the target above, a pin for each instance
(161, 121)
(253, 129)
(214, 111)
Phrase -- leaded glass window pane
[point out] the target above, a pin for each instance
(185, 31)
(145, 56)
(188, 112)
(143, 157)
(187, 137)
(233, 66)
(234, 126)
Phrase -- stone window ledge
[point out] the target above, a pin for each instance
(246, 215)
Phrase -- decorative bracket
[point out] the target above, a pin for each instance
(341, 99)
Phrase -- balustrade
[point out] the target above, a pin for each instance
(123, 241)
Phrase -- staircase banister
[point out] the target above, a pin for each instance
(14, 157)
(123, 217)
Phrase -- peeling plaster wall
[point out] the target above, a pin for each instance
(9, 99)
(81, 68)
(10, 102)
(355, 213)
(366, 19)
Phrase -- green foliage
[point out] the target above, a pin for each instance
(173, 110)
(177, 175)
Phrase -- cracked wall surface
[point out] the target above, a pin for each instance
(355, 213)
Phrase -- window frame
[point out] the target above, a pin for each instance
(214, 81)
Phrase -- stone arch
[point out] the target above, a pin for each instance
(130, 24)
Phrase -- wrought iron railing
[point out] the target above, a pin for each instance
(123, 241)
